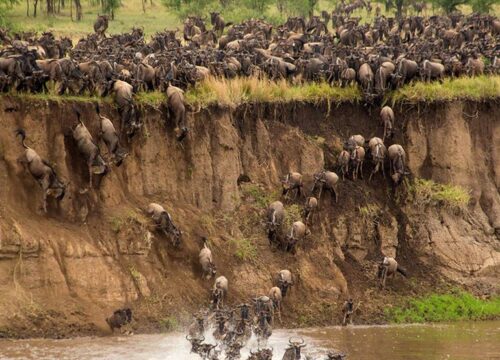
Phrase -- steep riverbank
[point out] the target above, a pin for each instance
(63, 273)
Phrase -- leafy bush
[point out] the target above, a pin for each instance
(429, 193)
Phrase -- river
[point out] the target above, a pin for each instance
(467, 341)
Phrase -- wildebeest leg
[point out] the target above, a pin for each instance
(384, 277)
(383, 169)
(361, 168)
(344, 321)
(335, 195)
(45, 183)
(90, 173)
(319, 195)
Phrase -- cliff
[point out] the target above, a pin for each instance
(63, 272)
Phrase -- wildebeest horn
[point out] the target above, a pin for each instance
(189, 337)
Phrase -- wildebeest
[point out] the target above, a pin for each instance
(110, 137)
(163, 222)
(343, 162)
(292, 181)
(284, 281)
(119, 318)
(309, 208)
(219, 292)
(326, 180)
(177, 109)
(431, 71)
(197, 328)
(261, 354)
(388, 268)
(347, 311)
(42, 172)
(397, 158)
(378, 153)
(276, 298)
(89, 149)
(294, 349)
(275, 218)
(101, 24)
(298, 232)
(387, 119)
(206, 261)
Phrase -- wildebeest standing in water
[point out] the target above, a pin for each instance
(41, 171)
(119, 318)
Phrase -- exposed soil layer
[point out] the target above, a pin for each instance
(64, 272)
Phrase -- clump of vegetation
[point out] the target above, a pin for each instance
(116, 224)
(465, 88)
(429, 193)
(245, 249)
(169, 323)
(258, 194)
(136, 275)
(293, 213)
(153, 98)
(449, 307)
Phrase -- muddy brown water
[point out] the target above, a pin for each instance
(468, 341)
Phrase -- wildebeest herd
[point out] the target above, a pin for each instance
(333, 47)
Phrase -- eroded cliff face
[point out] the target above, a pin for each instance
(64, 272)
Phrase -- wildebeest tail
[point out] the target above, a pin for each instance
(20, 132)
(97, 109)
(402, 271)
(78, 115)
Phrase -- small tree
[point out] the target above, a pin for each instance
(448, 5)
(109, 6)
(483, 6)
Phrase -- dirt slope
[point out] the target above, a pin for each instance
(63, 273)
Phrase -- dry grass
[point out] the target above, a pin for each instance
(234, 92)
(465, 88)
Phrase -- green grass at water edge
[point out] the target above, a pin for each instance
(448, 307)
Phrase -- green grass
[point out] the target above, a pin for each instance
(245, 249)
(429, 193)
(466, 88)
(153, 98)
(449, 307)
(156, 18)
(169, 323)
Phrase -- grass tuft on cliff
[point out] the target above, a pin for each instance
(241, 90)
(449, 307)
(464, 88)
(429, 193)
